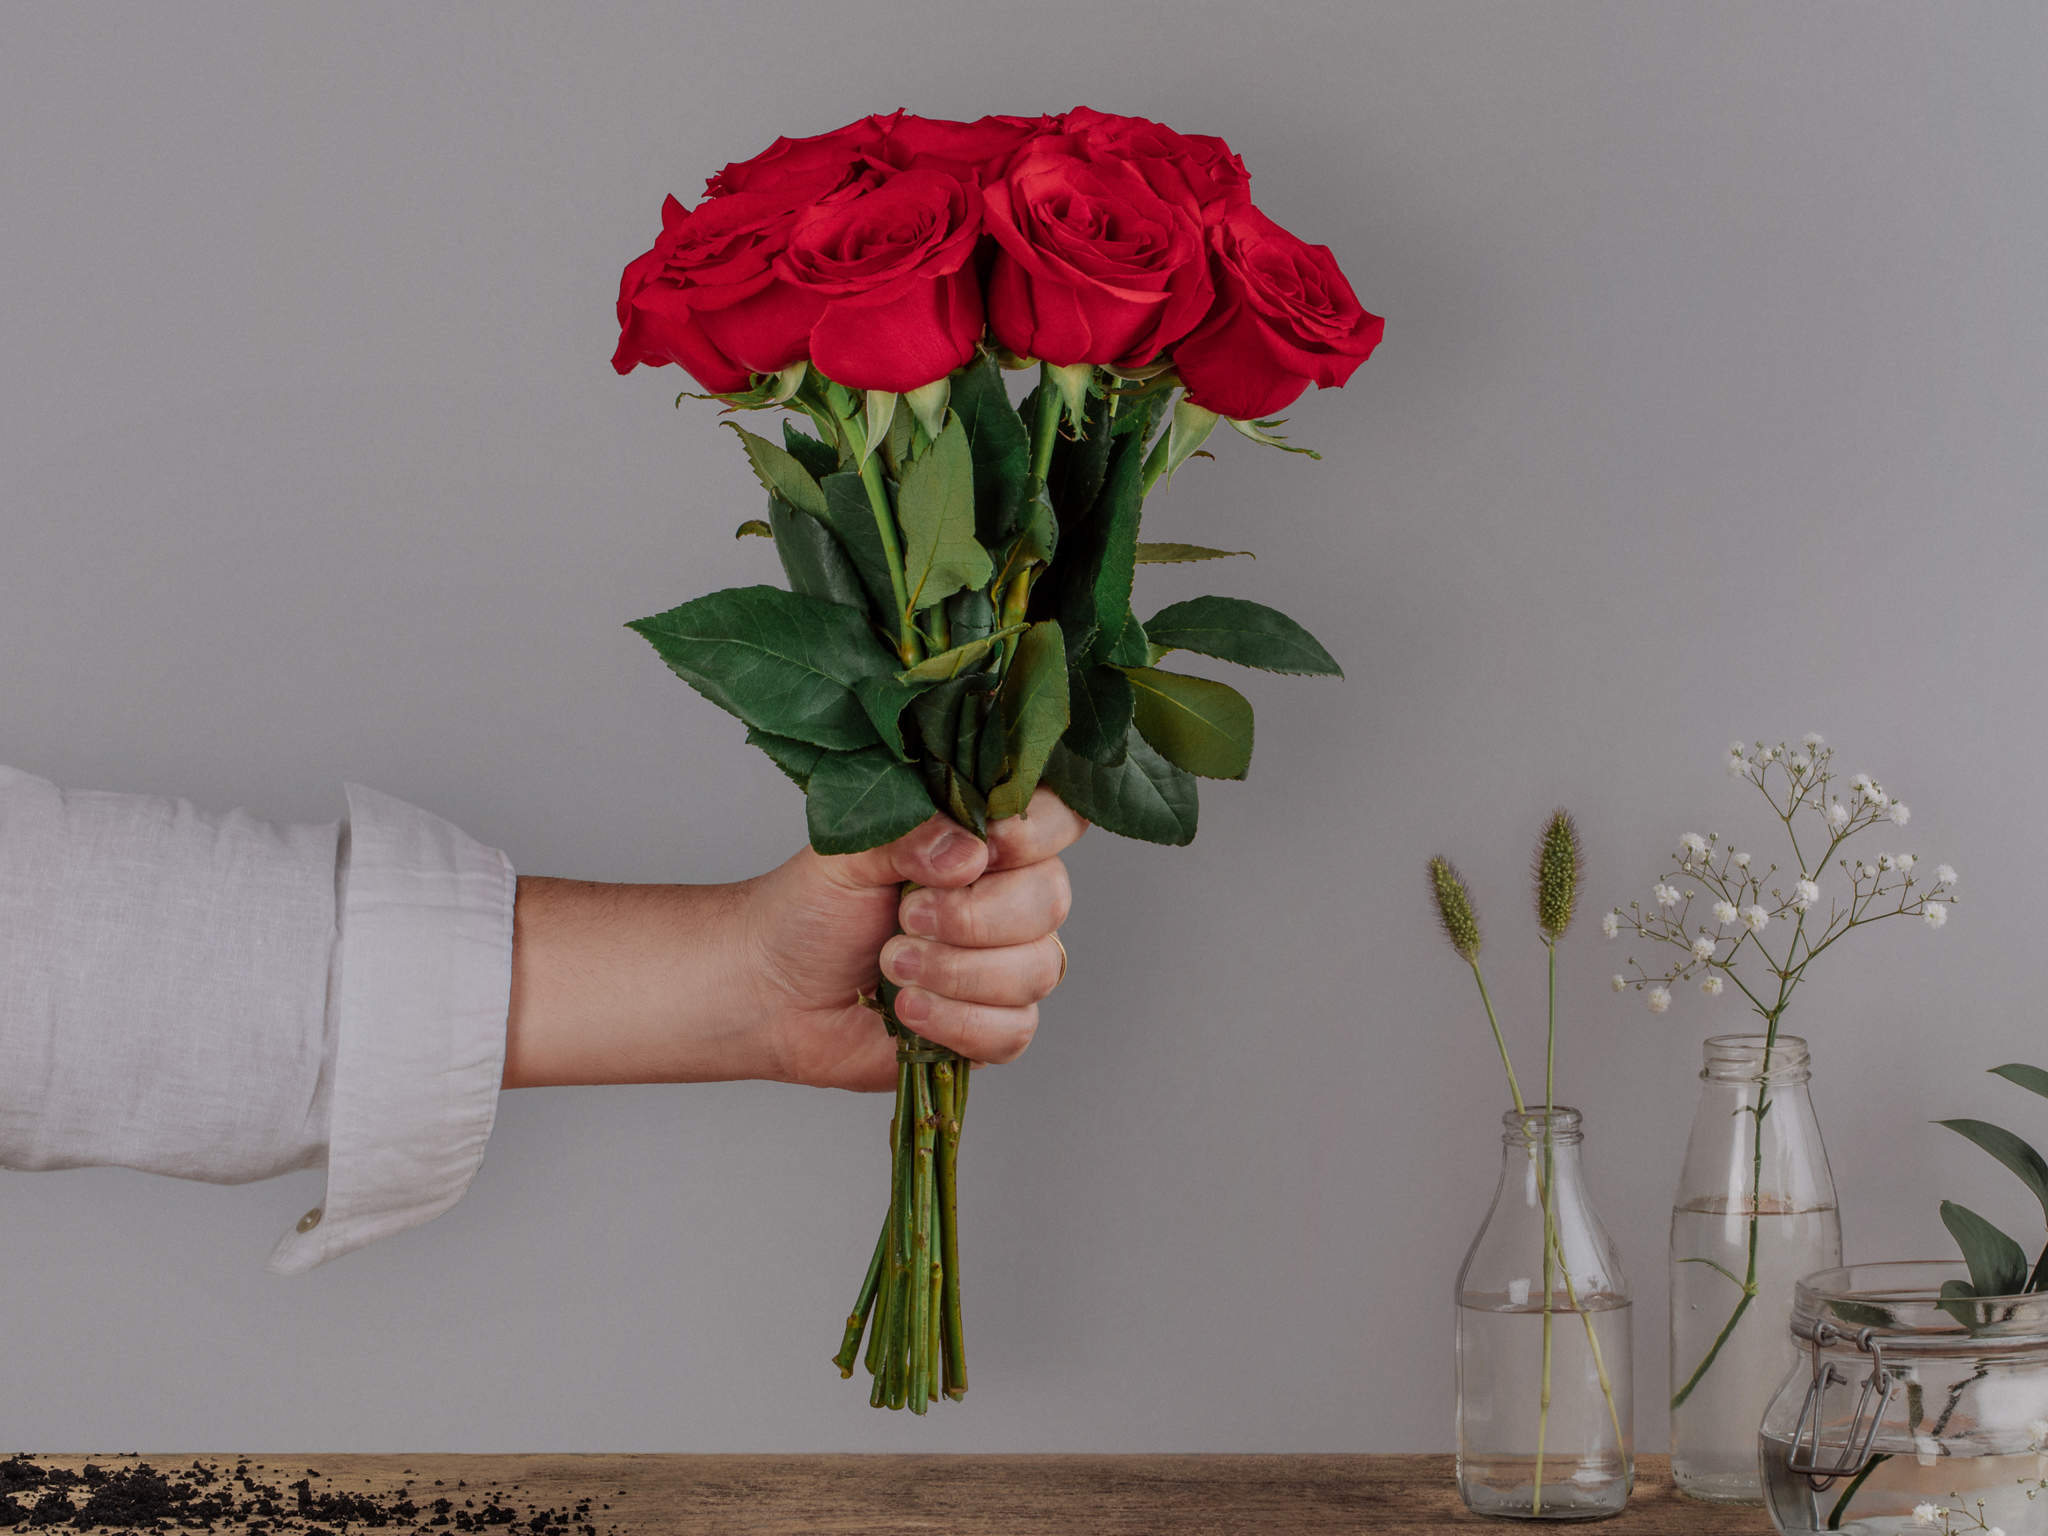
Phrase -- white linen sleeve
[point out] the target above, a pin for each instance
(222, 998)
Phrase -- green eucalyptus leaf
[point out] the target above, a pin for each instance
(2033, 1079)
(1998, 1266)
(1032, 704)
(753, 528)
(1099, 714)
(780, 474)
(819, 459)
(858, 800)
(1196, 723)
(783, 662)
(1250, 634)
(1183, 554)
(795, 758)
(935, 510)
(2022, 1159)
(1143, 796)
(852, 521)
(1001, 446)
(812, 558)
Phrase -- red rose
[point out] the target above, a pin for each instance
(1285, 318)
(975, 151)
(1194, 168)
(1092, 265)
(800, 171)
(709, 298)
(893, 269)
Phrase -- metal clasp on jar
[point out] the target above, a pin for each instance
(1854, 1453)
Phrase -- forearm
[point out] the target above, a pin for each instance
(631, 984)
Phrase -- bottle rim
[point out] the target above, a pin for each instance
(1740, 1059)
(1525, 1127)
(1900, 1301)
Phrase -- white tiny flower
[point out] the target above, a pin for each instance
(1693, 846)
(1996, 1530)
(1927, 1514)
(1861, 783)
(1755, 918)
(1866, 871)
(1901, 813)
(1904, 861)
(1711, 985)
(2037, 1433)
(1737, 768)
(1838, 815)
(1659, 999)
(1945, 874)
(1667, 895)
(1703, 948)
(1800, 762)
(1767, 754)
(1737, 748)
(1518, 1292)
(1927, 1451)
(1880, 799)
(1742, 861)
(1724, 912)
(1610, 924)
(1884, 861)
(1814, 741)
(1936, 913)
(1619, 983)
(1804, 895)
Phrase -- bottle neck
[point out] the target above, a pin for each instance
(1560, 1130)
(1755, 1059)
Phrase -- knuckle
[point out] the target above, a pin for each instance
(1062, 892)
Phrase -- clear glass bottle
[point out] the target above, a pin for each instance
(1898, 1398)
(1573, 1459)
(1755, 1210)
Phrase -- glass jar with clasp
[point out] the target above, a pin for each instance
(1908, 1411)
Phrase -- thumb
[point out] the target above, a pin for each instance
(941, 853)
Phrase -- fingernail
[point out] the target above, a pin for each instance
(954, 851)
(920, 915)
(913, 1007)
(902, 961)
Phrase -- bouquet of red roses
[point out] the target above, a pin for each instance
(957, 626)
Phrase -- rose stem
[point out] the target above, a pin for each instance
(949, 1098)
(857, 1319)
(879, 1335)
(900, 1214)
(855, 435)
(921, 1248)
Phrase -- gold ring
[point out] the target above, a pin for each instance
(1063, 960)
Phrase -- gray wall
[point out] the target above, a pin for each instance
(1711, 405)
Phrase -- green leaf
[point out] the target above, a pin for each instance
(1191, 428)
(1958, 1301)
(902, 433)
(2002, 1144)
(795, 758)
(1033, 707)
(881, 411)
(781, 661)
(1143, 796)
(753, 528)
(885, 699)
(1001, 446)
(1182, 554)
(961, 658)
(780, 474)
(1099, 714)
(812, 558)
(819, 459)
(1039, 538)
(965, 804)
(1131, 648)
(935, 509)
(970, 616)
(1197, 724)
(1250, 634)
(1098, 560)
(852, 521)
(1998, 1266)
(937, 713)
(863, 799)
(1079, 465)
(2034, 1079)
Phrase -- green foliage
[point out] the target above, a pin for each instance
(1250, 634)
(782, 662)
(795, 758)
(863, 799)
(970, 616)
(753, 528)
(2002, 1144)
(1998, 1266)
(2033, 1079)
(1183, 554)
(1099, 560)
(1001, 446)
(1032, 707)
(818, 459)
(1194, 722)
(852, 521)
(1132, 648)
(885, 699)
(812, 558)
(935, 507)
(1099, 707)
(1141, 796)
(960, 658)
(1079, 464)
(780, 474)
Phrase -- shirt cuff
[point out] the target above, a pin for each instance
(420, 987)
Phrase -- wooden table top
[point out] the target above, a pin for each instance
(877, 1495)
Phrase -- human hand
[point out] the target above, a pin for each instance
(976, 954)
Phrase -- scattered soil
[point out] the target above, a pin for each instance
(216, 1496)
